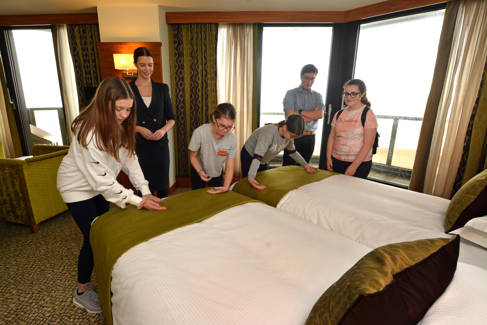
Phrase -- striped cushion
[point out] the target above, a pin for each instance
(393, 284)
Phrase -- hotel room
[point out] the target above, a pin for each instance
(406, 246)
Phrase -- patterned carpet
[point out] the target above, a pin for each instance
(38, 274)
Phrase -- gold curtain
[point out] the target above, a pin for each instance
(192, 56)
(474, 158)
(462, 84)
(236, 62)
(83, 43)
(431, 110)
(9, 134)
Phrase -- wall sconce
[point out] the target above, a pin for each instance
(125, 62)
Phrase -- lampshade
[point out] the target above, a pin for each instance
(124, 62)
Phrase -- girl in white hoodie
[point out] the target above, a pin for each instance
(102, 146)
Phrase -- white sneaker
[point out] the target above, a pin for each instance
(88, 300)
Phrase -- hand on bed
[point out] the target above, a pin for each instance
(218, 190)
(151, 202)
(256, 185)
(310, 169)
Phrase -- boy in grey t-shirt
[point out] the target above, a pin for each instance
(212, 146)
(266, 142)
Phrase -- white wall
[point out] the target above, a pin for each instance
(140, 23)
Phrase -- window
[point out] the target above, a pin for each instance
(37, 69)
(285, 50)
(396, 58)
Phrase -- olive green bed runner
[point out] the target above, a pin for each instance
(279, 181)
(118, 230)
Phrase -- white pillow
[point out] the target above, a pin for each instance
(463, 302)
(475, 230)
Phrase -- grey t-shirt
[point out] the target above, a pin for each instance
(298, 98)
(212, 152)
(267, 143)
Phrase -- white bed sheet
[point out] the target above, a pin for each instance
(374, 214)
(254, 264)
(251, 264)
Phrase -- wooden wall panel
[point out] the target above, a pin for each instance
(250, 17)
(381, 8)
(107, 49)
(387, 7)
(24, 20)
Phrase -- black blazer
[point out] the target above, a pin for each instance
(159, 111)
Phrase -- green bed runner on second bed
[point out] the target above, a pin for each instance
(279, 181)
(118, 230)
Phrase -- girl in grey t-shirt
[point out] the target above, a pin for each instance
(266, 142)
(212, 146)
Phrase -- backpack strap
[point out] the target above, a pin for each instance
(364, 115)
(339, 113)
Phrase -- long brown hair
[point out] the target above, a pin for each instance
(99, 117)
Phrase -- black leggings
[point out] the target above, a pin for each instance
(304, 145)
(246, 161)
(84, 212)
(341, 166)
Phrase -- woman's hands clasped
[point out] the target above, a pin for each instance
(151, 202)
(149, 135)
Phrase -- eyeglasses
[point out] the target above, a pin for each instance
(351, 95)
(224, 127)
(308, 78)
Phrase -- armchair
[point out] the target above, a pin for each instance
(28, 193)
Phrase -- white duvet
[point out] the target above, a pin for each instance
(254, 264)
(251, 264)
(374, 214)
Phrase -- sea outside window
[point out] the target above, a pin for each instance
(285, 50)
(396, 59)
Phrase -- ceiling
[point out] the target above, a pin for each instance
(30, 7)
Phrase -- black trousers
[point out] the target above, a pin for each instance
(246, 160)
(304, 145)
(197, 182)
(341, 166)
(154, 161)
(84, 212)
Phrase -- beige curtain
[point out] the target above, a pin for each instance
(5, 136)
(235, 76)
(68, 82)
(460, 89)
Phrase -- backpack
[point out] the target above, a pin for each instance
(364, 116)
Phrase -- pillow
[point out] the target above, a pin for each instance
(474, 231)
(393, 284)
(468, 202)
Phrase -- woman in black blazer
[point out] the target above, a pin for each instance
(155, 118)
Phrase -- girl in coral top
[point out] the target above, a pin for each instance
(349, 149)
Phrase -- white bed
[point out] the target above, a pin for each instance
(254, 264)
(374, 214)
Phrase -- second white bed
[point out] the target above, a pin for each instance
(374, 214)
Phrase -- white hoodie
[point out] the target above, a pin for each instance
(87, 172)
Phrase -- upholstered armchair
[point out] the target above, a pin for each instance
(28, 193)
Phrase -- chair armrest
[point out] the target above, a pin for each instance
(41, 149)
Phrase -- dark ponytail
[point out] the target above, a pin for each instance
(141, 51)
(294, 124)
(361, 86)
